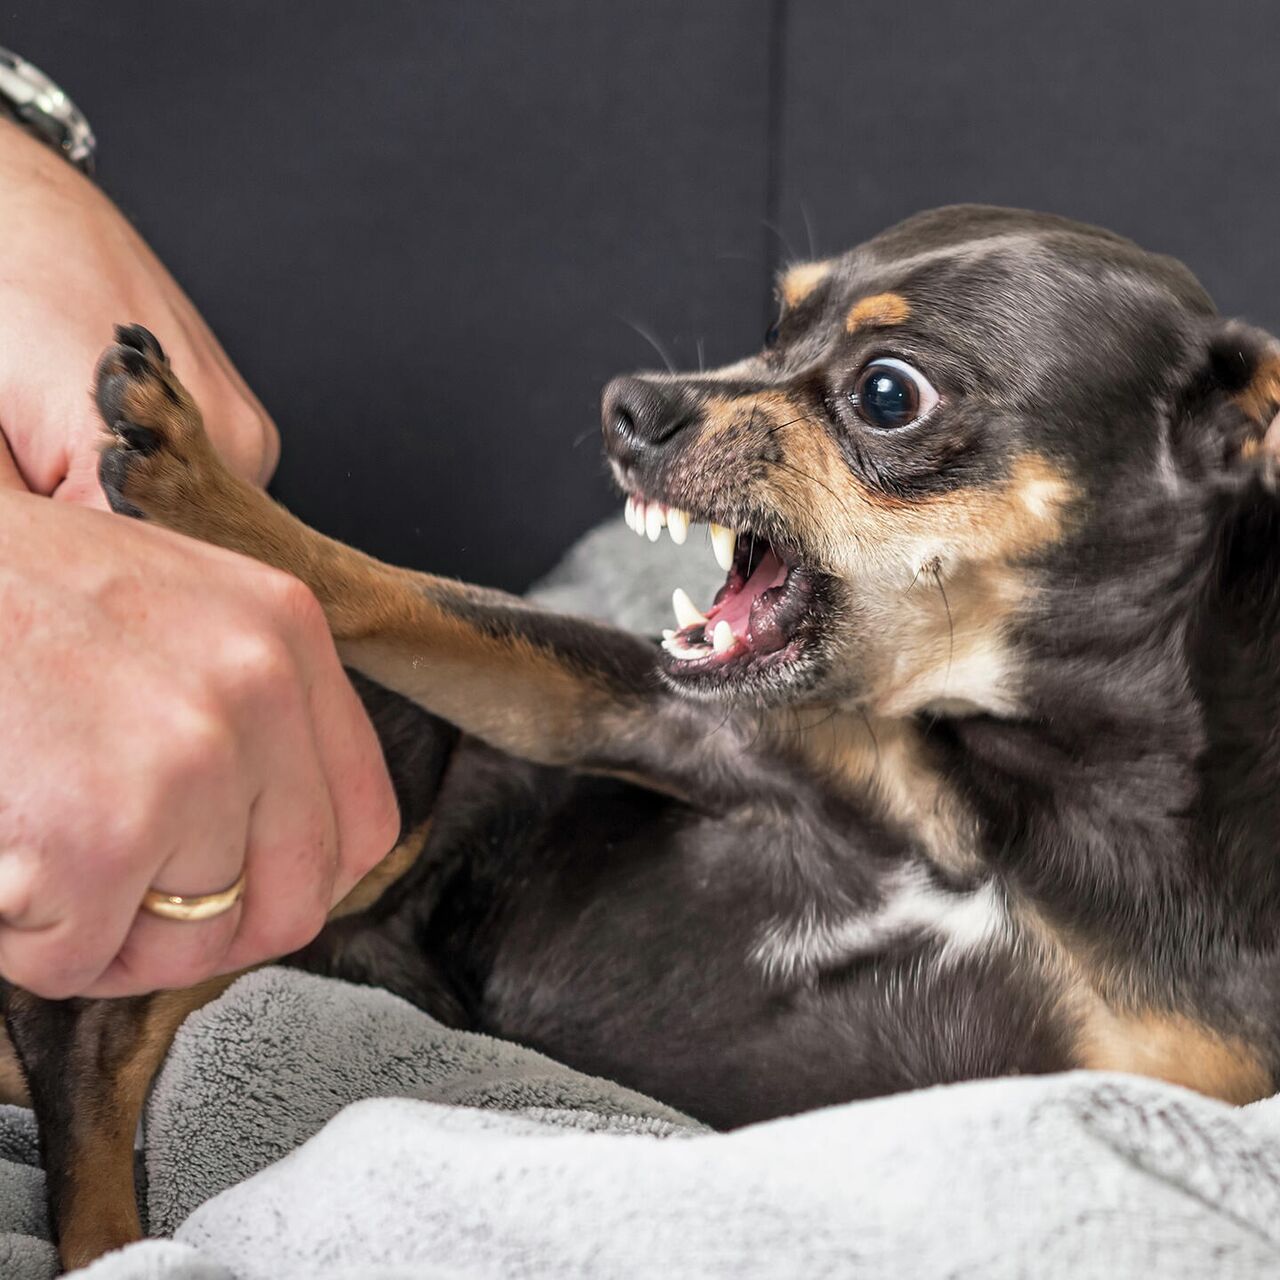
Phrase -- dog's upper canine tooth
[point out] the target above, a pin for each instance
(722, 637)
(629, 513)
(654, 521)
(723, 543)
(687, 613)
(639, 510)
(678, 525)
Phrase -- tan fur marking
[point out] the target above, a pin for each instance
(801, 280)
(885, 761)
(1175, 1048)
(881, 310)
(764, 409)
(507, 690)
(1261, 398)
(100, 1212)
(13, 1083)
(1114, 1032)
(376, 882)
(951, 578)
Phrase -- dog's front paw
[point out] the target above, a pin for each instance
(156, 449)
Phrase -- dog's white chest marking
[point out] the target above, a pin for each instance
(913, 905)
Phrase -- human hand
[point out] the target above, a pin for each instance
(71, 268)
(173, 713)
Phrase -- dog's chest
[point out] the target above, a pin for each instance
(736, 967)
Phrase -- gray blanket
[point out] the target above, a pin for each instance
(306, 1128)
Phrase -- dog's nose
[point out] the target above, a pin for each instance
(637, 415)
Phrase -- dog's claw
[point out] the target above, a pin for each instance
(132, 436)
(138, 338)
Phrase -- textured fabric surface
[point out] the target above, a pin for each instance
(307, 1128)
(471, 1157)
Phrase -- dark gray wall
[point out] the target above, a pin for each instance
(423, 227)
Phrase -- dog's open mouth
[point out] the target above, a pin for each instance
(761, 619)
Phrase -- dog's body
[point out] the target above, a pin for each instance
(980, 779)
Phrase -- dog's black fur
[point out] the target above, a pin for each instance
(1131, 796)
(1001, 793)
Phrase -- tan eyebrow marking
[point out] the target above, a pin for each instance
(1261, 397)
(877, 311)
(801, 280)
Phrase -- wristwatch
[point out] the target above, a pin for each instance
(40, 107)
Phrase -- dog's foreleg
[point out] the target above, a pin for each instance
(547, 688)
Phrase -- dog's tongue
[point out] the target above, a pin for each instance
(740, 604)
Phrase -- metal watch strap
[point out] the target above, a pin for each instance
(39, 106)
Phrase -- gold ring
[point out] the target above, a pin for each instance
(193, 906)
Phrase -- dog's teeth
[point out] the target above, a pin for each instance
(668, 634)
(640, 516)
(678, 525)
(687, 613)
(682, 651)
(629, 513)
(654, 521)
(722, 637)
(723, 543)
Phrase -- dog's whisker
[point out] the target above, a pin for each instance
(935, 568)
(808, 230)
(782, 238)
(652, 339)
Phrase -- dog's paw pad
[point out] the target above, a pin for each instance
(153, 427)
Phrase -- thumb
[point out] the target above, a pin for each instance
(80, 484)
(10, 476)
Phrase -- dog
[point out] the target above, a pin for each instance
(971, 768)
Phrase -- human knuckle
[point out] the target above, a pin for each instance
(254, 431)
(297, 605)
(199, 742)
(259, 665)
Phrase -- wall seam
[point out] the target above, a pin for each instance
(775, 92)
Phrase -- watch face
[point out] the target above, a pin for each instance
(40, 105)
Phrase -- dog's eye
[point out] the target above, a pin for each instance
(890, 393)
(772, 334)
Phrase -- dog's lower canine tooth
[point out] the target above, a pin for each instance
(722, 637)
(723, 543)
(687, 613)
(678, 525)
(681, 651)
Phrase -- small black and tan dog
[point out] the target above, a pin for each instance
(972, 767)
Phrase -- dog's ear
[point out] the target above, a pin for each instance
(1244, 363)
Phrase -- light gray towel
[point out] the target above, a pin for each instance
(1073, 1176)
(471, 1157)
(478, 1158)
